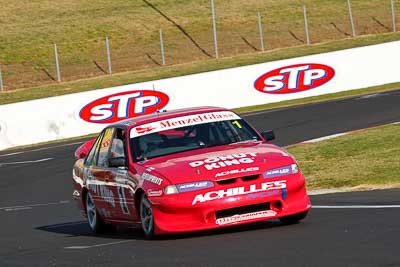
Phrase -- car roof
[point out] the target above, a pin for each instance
(162, 115)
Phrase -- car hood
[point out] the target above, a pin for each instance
(219, 163)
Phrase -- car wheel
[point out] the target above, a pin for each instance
(147, 217)
(295, 218)
(95, 222)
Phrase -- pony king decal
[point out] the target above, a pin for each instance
(225, 161)
(123, 105)
(294, 78)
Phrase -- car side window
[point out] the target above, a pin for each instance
(92, 156)
(102, 160)
(118, 144)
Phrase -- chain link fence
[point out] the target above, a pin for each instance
(236, 35)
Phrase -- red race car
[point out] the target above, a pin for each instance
(186, 170)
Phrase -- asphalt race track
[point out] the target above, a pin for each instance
(40, 225)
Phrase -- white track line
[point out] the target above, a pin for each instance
(357, 207)
(25, 162)
(323, 138)
(98, 245)
(369, 96)
(24, 207)
(336, 135)
(40, 149)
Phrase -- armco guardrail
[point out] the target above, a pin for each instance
(88, 112)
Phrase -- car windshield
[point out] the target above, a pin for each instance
(191, 137)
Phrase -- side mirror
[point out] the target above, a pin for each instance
(82, 151)
(117, 162)
(268, 135)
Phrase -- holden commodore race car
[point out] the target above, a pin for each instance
(186, 170)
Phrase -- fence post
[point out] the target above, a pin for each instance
(162, 47)
(57, 63)
(353, 30)
(393, 15)
(108, 56)
(214, 29)
(306, 24)
(260, 30)
(1, 81)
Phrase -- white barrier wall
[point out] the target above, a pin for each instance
(61, 117)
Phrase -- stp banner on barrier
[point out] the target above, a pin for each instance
(88, 112)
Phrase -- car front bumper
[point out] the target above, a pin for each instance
(179, 213)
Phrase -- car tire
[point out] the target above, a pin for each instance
(147, 217)
(295, 218)
(95, 222)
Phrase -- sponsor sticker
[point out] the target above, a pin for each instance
(264, 194)
(237, 171)
(278, 172)
(151, 178)
(284, 193)
(103, 191)
(121, 106)
(183, 121)
(154, 193)
(187, 187)
(294, 78)
(245, 217)
(150, 169)
(122, 200)
(225, 161)
(238, 191)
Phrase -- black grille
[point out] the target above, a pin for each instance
(226, 181)
(241, 210)
(232, 180)
(249, 178)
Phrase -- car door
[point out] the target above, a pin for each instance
(99, 177)
(123, 186)
(89, 165)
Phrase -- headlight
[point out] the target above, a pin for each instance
(282, 171)
(295, 168)
(171, 189)
(187, 187)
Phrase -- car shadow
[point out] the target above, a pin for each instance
(81, 228)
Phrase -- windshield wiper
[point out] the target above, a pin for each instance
(245, 141)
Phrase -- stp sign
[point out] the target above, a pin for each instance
(294, 78)
(123, 105)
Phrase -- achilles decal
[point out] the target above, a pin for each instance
(187, 187)
(278, 172)
(237, 171)
(245, 217)
(238, 191)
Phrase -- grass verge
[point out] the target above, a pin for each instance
(368, 158)
(79, 27)
(189, 68)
